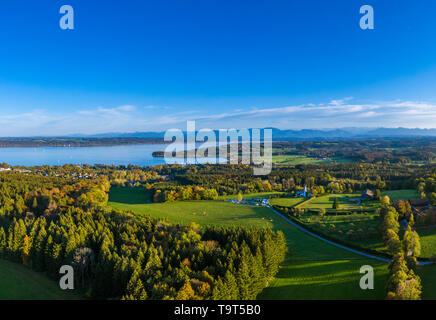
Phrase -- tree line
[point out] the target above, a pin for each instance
(403, 283)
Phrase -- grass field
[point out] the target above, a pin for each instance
(286, 202)
(218, 213)
(428, 242)
(300, 159)
(326, 202)
(362, 224)
(358, 228)
(401, 194)
(312, 270)
(297, 159)
(18, 282)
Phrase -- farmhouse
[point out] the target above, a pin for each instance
(418, 206)
(367, 195)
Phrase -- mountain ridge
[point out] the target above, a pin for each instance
(286, 134)
(278, 134)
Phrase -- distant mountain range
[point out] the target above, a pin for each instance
(305, 134)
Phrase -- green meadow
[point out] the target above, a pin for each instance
(20, 283)
(326, 202)
(428, 280)
(217, 213)
(293, 159)
(286, 202)
(404, 194)
(313, 269)
(296, 160)
(428, 241)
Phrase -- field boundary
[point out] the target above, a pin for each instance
(303, 203)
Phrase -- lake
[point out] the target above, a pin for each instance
(140, 155)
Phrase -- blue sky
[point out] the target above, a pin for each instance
(151, 65)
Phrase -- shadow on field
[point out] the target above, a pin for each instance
(324, 281)
(129, 195)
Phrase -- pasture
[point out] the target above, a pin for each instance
(130, 195)
(296, 160)
(428, 241)
(286, 202)
(292, 159)
(404, 194)
(326, 202)
(205, 212)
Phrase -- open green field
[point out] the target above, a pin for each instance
(218, 213)
(258, 195)
(428, 241)
(401, 194)
(361, 229)
(18, 283)
(297, 159)
(292, 159)
(313, 269)
(326, 202)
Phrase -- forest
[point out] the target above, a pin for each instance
(47, 222)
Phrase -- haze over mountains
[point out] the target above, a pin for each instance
(305, 134)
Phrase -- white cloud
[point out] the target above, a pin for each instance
(128, 118)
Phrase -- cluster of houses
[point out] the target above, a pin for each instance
(45, 173)
(417, 206)
(16, 170)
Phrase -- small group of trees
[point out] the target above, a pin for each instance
(183, 193)
(335, 203)
(403, 283)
